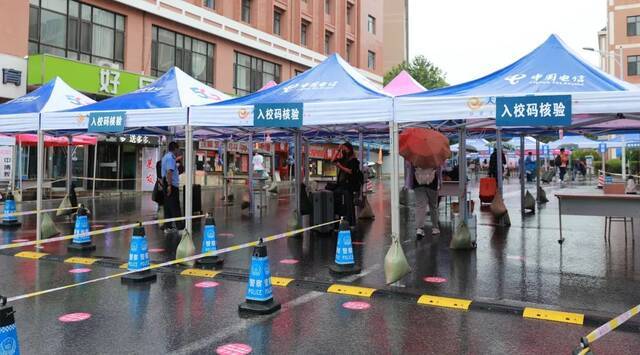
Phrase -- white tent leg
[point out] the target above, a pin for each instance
(40, 173)
(538, 169)
(462, 173)
(69, 162)
(624, 159)
(395, 179)
(499, 159)
(95, 170)
(306, 162)
(252, 202)
(297, 177)
(188, 196)
(522, 173)
(225, 168)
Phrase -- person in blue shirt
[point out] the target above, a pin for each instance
(171, 181)
(529, 167)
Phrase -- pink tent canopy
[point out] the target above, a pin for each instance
(270, 84)
(403, 84)
(50, 141)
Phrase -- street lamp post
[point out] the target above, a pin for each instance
(618, 59)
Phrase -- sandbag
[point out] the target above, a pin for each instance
(47, 228)
(542, 195)
(404, 196)
(292, 223)
(160, 216)
(529, 201)
(461, 239)
(504, 220)
(17, 196)
(63, 208)
(395, 262)
(186, 248)
(366, 212)
(497, 206)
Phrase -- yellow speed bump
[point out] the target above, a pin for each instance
(79, 260)
(280, 281)
(200, 273)
(351, 290)
(447, 302)
(555, 316)
(30, 254)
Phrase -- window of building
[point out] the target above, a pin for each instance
(327, 7)
(633, 65)
(371, 62)
(297, 72)
(371, 24)
(349, 13)
(633, 25)
(327, 42)
(349, 49)
(193, 56)
(304, 29)
(78, 31)
(277, 22)
(209, 3)
(246, 11)
(253, 73)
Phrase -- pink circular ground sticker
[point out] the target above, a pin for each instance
(356, 305)
(207, 284)
(156, 250)
(225, 234)
(233, 349)
(435, 279)
(79, 270)
(74, 317)
(515, 257)
(289, 261)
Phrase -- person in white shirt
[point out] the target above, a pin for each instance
(258, 164)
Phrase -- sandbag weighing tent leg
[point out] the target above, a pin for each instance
(188, 168)
(39, 179)
(395, 179)
(462, 174)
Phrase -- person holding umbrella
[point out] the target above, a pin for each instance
(426, 184)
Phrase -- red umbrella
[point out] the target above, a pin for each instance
(424, 148)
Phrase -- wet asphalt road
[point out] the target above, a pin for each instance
(523, 263)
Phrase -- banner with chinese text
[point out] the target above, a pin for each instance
(149, 159)
(107, 121)
(548, 110)
(278, 115)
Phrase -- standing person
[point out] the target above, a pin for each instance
(529, 167)
(426, 184)
(493, 163)
(258, 164)
(349, 181)
(171, 179)
(563, 159)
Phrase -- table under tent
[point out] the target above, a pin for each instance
(332, 99)
(597, 99)
(160, 108)
(22, 115)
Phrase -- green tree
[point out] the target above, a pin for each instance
(422, 70)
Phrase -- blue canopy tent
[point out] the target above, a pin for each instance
(551, 68)
(332, 94)
(160, 107)
(579, 141)
(23, 115)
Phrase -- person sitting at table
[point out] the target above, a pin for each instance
(349, 181)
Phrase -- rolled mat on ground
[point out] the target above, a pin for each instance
(395, 262)
(186, 247)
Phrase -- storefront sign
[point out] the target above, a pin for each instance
(149, 160)
(107, 121)
(6, 162)
(278, 115)
(602, 147)
(234, 147)
(552, 110)
(84, 77)
(138, 139)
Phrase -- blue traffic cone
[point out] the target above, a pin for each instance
(9, 221)
(81, 238)
(209, 243)
(344, 262)
(139, 258)
(8, 332)
(259, 297)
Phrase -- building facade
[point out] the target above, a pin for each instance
(396, 34)
(620, 41)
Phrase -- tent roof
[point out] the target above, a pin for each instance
(403, 84)
(480, 145)
(332, 93)
(21, 114)
(161, 104)
(580, 141)
(270, 84)
(550, 68)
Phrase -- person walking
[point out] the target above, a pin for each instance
(529, 167)
(426, 184)
(493, 164)
(171, 180)
(563, 160)
(349, 181)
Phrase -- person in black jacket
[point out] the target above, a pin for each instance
(348, 182)
(493, 164)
